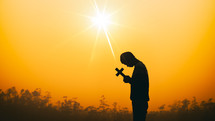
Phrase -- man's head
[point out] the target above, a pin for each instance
(128, 59)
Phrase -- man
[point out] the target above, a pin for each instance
(139, 85)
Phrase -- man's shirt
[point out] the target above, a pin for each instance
(140, 83)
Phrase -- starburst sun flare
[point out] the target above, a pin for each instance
(102, 20)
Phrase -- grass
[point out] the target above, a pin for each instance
(32, 106)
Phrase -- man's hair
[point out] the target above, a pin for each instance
(127, 58)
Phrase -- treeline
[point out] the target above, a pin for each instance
(185, 110)
(32, 106)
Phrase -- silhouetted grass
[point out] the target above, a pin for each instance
(32, 106)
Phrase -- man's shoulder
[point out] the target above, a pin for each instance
(140, 65)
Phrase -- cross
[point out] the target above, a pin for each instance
(119, 72)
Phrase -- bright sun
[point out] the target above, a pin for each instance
(101, 20)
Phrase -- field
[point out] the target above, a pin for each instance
(32, 106)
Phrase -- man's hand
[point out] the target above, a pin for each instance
(127, 79)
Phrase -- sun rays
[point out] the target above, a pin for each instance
(101, 20)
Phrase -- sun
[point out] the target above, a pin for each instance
(102, 20)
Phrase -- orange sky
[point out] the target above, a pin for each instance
(46, 44)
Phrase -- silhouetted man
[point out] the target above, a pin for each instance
(139, 86)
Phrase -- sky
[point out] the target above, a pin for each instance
(55, 46)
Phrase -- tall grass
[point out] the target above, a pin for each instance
(32, 106)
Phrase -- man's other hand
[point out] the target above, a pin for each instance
(127, 79)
